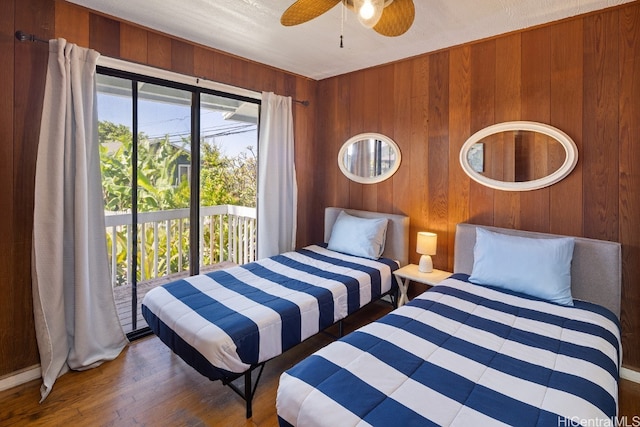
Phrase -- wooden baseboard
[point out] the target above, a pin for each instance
(20, 377)
(630, 374)
(33, 373)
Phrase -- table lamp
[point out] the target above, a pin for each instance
(426, 245)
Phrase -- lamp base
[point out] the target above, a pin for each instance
(426, 264)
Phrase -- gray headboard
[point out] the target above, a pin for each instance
(397, 242)
(596, 268)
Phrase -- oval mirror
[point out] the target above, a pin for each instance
(369, 158)
(518, 156)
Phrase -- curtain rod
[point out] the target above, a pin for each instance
(24, 37)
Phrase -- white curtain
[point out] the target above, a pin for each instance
(277, 188)
(75, 315)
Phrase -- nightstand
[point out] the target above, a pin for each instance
(410, 272)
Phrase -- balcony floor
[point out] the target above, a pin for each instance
(122, 295)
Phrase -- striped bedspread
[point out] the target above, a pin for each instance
(465, 355)
(223, 322)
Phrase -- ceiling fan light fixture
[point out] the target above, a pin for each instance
(389, 18)
(368, 11)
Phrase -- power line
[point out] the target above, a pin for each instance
(210, 132)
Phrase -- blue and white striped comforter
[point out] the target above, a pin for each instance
(223, 322)
(465, 355)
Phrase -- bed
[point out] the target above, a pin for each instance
(472, 353)
(228, 323)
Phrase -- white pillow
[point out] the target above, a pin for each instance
(537, 267)
(363, 237)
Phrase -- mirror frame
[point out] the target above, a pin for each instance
(375, 179)
(570, 161)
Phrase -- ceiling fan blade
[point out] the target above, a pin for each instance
(305, 10)
(396, 18)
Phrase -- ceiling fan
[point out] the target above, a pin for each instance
(389, 18)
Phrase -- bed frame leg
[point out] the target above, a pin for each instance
(248, 393)
(249, 386)
(394, 298)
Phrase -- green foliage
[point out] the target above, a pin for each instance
(115, 159)
(228, 180)
(223, 180)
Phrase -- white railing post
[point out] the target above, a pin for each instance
(114, 255)
(230, 239)
(143, 251)
(180, 237)
(221, 239)
(212, 240)
(129, 228)
(167, 224)
(156, 249)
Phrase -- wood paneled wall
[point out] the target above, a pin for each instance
(581, 75)
(21, 91)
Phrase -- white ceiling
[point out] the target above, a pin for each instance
(251, 28)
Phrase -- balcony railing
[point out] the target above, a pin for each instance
(227, 233)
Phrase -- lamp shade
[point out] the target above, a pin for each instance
(427, 243)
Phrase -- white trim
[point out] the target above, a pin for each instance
(630, 374)
(146, 70)
(571, 158)
(365, 179)
(20, 377)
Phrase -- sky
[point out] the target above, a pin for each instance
(157, 119)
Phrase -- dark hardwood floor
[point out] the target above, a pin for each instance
(149, 386)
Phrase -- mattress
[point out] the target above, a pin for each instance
(224, 322)
(463, 354)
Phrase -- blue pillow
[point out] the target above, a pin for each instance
(534, 266)
(357, 236)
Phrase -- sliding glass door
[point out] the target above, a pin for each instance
(191, 206)
(228, 180)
